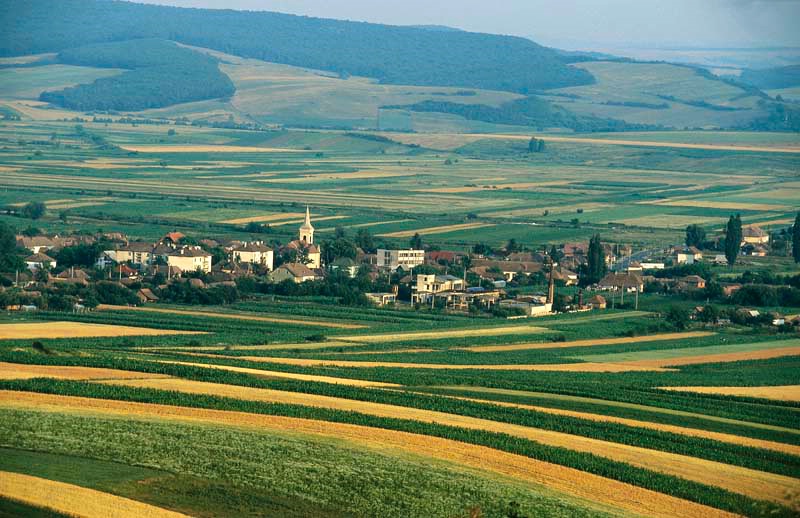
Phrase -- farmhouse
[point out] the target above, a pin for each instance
(37, 244)
(693, 282)
(296, 272)
(39, 261)
(688, 255)
(508, 269)
(405, 259)
(597, 302)
(754, 235)
(621, 281)
(136, 252)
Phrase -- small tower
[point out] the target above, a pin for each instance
(307, 230)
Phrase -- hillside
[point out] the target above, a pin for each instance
(773, 78)
(160, 74)
(392, 55)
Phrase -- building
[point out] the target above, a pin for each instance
(509, 269)
(597, 302)
(754, 235)
(405, 259)
(253, 253)
(428, 286)
(529, 309)
(37, 244)
(39, 261)
(136, 252)
(688, 255)
(296, 272)
(621, 281)
(190, 259)
(346, 266)
(382, 299)
(304, 245)
(692, 282)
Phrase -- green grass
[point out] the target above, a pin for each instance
(666, 354)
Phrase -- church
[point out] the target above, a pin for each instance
(305, 243)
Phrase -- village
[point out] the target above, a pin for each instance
(511, 282)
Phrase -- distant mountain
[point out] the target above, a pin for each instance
(393, 55)
(439, 28)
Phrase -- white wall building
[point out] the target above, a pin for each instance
(394, 259)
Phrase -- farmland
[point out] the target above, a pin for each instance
(434, 408)
(134, 387)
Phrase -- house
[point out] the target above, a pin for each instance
(297, 272)
(754, 250)
(345, 265)
(529, 309)
(621, 281)
(754, 235)
(652, 265)
(304, 245)
(729, 289)
(172, 238)
(435, 257)
(146, 295)
(39, 261)
(37, 244)
(508, 269)
(136, 252)
(72, 276)
(382, 299)
(597, 302)
(405, 259)
(428, 286)
(190, 259)
(693, 282)
(255, 252)
(688, 255)
(568, 277)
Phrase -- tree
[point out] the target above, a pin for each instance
(416, 242)
(512, 246)
(365, 241)
(33, 210)
(695, 235)
(535, 145)
(796, 239)
(733, 239)
(596, 261)
(10, 259)
(678, 317)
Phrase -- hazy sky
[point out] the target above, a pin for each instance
(567, 23)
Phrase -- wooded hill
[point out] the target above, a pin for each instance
(160, 74)
(394, 55)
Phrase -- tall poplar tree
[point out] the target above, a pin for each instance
(733, 239)
(796, 239)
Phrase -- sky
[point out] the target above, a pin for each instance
(571, 24)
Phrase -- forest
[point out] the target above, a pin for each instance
(160, 73)
(773, 78)
(530, 111)
(394, 55)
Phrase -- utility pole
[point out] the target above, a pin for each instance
(636, 304)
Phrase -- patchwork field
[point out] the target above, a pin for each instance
(603, 434)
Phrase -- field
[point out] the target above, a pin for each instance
(593, 433)
(297, 405)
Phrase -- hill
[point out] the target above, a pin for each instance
(392, 55)
(773, 78)
(160, 74)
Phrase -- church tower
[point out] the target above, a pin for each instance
(307, 230)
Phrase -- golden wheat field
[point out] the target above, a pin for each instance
(587, 343)
(22, 371)
(234, 316)
(778, 393)
(75, 500)
(598, 489)
(43, 330)
(437, 230)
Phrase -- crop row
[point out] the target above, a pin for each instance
(681, 488)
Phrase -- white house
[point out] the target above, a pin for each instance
(40, 260)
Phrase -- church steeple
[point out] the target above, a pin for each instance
(306, 229)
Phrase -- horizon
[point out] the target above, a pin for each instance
(572, 25)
